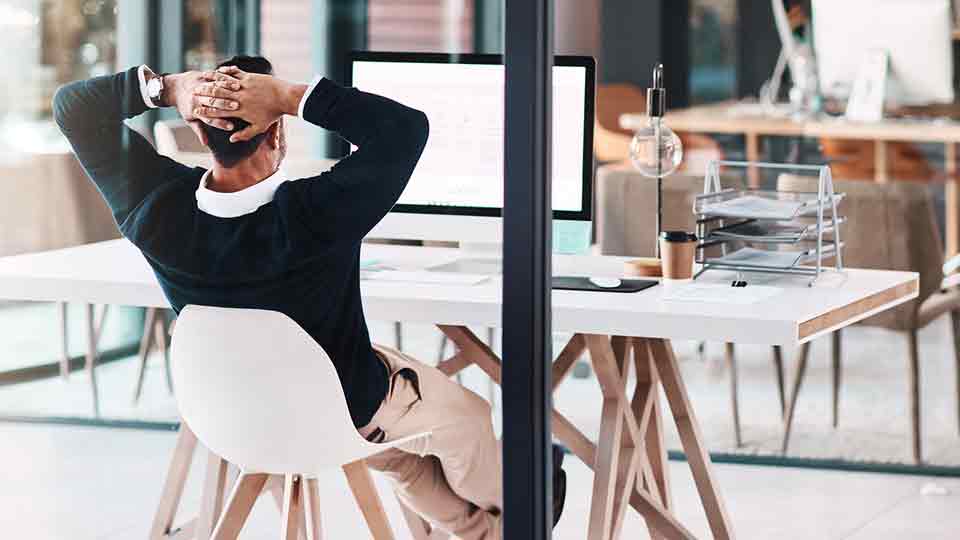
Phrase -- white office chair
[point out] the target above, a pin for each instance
(258, 391)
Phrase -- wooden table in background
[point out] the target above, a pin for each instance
(746, 120)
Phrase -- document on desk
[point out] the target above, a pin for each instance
(721, 294)
(424, 277)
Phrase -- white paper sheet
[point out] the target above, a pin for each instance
(753, 207)
(724, 294)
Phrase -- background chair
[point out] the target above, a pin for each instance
(856, 160)
(259, 392)
(891, 227)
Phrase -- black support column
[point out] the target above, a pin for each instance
(527, 216)
(341, 27)
(758, 46)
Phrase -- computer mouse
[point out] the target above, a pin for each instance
(606, 282)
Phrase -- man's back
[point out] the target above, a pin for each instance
(263, 260)
(289, 246)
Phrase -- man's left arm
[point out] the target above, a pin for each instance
(121, 162)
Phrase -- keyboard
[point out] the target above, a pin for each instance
(423, 276)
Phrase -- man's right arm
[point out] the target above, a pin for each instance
(121, 162)
(360, 190)
(123, 165)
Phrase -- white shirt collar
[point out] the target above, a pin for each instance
(238, 203)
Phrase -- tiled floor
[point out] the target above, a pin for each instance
(100, 484)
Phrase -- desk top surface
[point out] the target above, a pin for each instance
(748, 118)
(114, 272)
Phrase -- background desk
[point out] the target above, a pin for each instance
(620, 331)
(727, 119)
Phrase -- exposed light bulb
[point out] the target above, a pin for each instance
(656, 151)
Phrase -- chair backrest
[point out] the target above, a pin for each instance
(257, 390)
(889, 227)
(627, 208)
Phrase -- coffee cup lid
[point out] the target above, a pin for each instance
(678, 236)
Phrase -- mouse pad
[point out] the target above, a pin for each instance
(564, 283)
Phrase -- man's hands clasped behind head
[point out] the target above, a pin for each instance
(229, 92)
(179, 93)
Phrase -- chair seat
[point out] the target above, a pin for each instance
(937, 305)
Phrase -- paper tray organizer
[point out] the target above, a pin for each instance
(794, 233)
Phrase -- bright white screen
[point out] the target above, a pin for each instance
(462, 164)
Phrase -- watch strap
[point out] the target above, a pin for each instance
(158, 99)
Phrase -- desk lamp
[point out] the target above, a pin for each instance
(656, 151)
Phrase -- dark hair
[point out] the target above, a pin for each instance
(229, 153)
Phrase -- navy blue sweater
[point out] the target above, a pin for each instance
(299, 254)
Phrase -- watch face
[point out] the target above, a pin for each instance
(154, 88)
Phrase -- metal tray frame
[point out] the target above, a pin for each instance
(819, 204)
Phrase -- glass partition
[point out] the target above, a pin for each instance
(46, 202)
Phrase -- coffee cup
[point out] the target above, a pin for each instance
(678, 250)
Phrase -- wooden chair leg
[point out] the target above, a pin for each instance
(292, 507)
(238, 508)
(361, 483)
(835, 380)
(441, 353)
(491, 385)
(91, 359)
(160, 336)
(442, 348)
(734, 394)
(211, 504)
(64, 340)
(311, 508)
(914, 389)
(778, 373)
(398, 334)
(145, 342)
(955, 320)
(276, 485)
(794, 394)
(176, 479)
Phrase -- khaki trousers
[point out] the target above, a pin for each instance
(451, 478)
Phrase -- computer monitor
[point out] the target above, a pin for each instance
(456, 191)
(916, 34)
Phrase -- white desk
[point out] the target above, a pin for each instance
(114, 272)
(629, 458)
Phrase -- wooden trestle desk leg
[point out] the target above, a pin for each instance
(691, 438)
(629, 460)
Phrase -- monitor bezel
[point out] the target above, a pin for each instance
(586, 204)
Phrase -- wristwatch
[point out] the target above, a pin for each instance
(155, 90)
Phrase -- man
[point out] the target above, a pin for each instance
(243, 235)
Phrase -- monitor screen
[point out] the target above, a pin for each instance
(461, 170)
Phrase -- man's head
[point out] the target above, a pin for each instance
(229, 154)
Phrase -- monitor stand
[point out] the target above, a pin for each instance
(475, 258)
